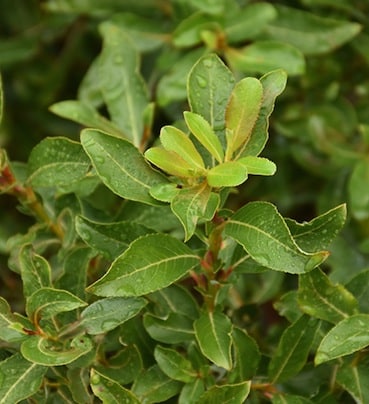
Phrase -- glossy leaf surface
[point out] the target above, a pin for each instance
(192, 204)
(263, 233)
(205, 134)
(228, 393)
(107, 314)
(348, 336)
(174, 365)
(228, 174)
(111, 239)
(213, 334)
(177, 141)
(58, 162)
(120, 166)
(47, 302)
(150, 263)
(206, 97)
(109, 391)
(319, 297)
(122, 87)
(19, 379)
(242, 112)
(48, 353)
(293, 349)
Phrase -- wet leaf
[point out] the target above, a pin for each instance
(319, 297)
(150, 263)
(121, 167)
(50, 353)
(106, 314)
(19, 379)
(122, 87)
(263, 233)
(348, 336)
(109, 391)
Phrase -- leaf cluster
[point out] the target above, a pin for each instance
(158, 263)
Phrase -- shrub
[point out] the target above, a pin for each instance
(162, 260)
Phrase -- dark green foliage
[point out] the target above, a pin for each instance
(173, 240)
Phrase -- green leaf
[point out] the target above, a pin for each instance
(319, 232)
(123, 366)
(188, 32)
(7, 319)
(154, 386)
(228, 174)
(150, 263)
(85, 114)
(191, 392)
(283, 398)
(106, 314)
(122, 87)
(274, 83)
(212, 7)
(109, 391)
(355, 380)
(293, 349)
(110, 239)
(241, 113)
(204, 133)
(348, 336)
(358, 286)
(258, 165)
(213, 334)
(177, 141)
(172, 87)
(172, 329)
(75, 281)
(191, 204)
(79, 386)
(226, 394)
(319, 297)
(264, 56)
(47, 302)
(175, 299)
(19, 379)
(49, 353)
(171, 162)
(147, 34)
(164, 192)
(246, 356)
(310, 33)
(35, 270)
(205, 96)
(120, 166)
(248, 22)
(174, 365)
(263, 233)
(58, 162)
(358, 190)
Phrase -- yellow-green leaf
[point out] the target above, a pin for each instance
(205, 134)
(175, 140)
(229, 174)
(171, 162)
(242, 112)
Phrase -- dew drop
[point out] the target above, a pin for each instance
(201, 81)
(95, 379)
(208, 63)
(99, 159)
